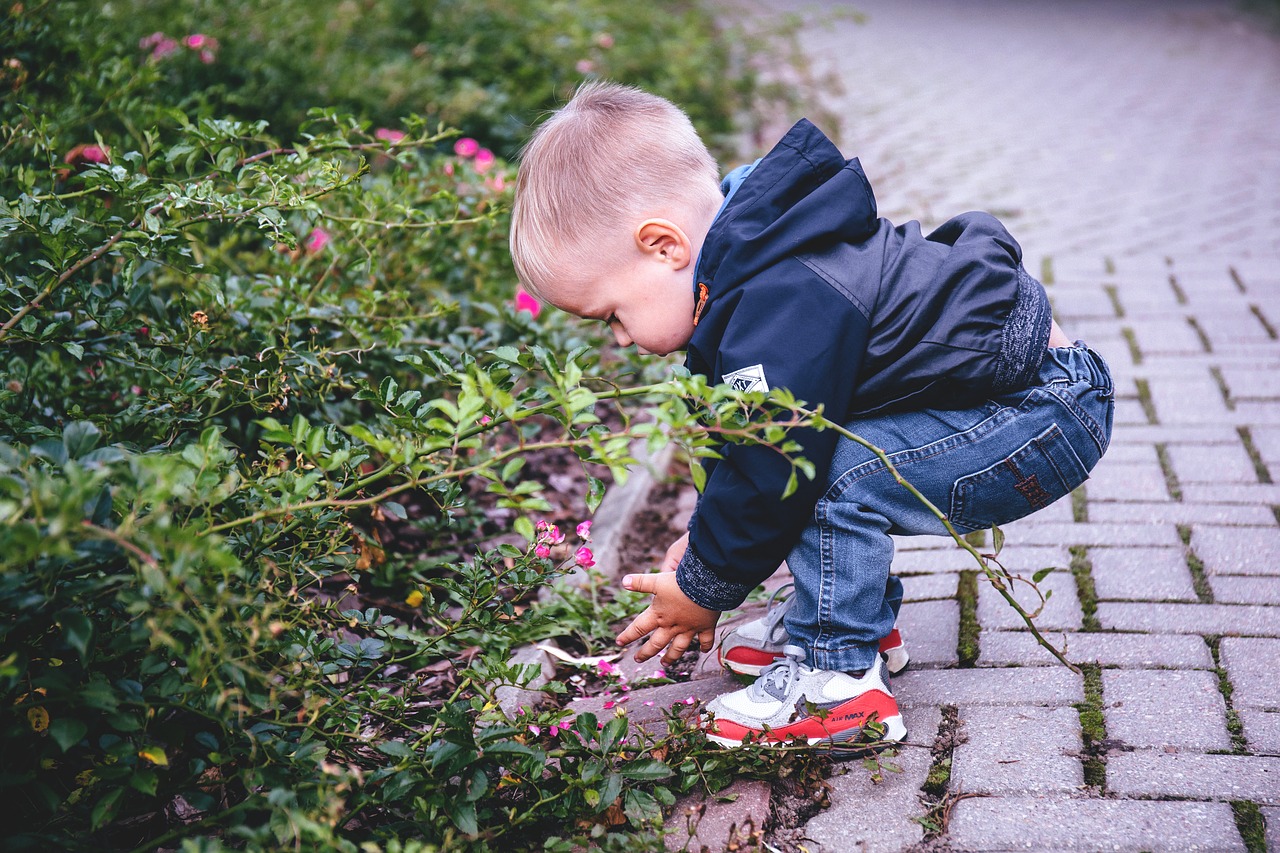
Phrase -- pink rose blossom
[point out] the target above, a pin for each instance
(553, 535)
(584, 530)
(207, 56)
(536, 731)
(497, 183)
(448, 169)
(555, 730)
(525, 302)
(195, 41)
(159, 44)
(542, 551)
(484, 160)
(316, 240)
(585, 66)
(583, 557)
(136, 389)
(466, 147)
(86, 153)
(389, 135)
(604, 40)
(606, 668)
(485, 419)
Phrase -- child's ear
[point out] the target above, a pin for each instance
(663, 240)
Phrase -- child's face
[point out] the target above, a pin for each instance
(647, 298)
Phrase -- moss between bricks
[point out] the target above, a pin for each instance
(1082, 571)
(1093, 728)
(967, 647)
(1234, 726)
(1199, 579)
(935, 790)
(1252, 827)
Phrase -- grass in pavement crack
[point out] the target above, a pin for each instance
(1259, 464)
(967, 647)
(1234, 726)
(1170, 476)
(1144, 399)
(1253, 828)
(1093, 728)
(1082, 571)
(1199, 579)
(936, 788)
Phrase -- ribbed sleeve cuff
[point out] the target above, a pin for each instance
(705, 588)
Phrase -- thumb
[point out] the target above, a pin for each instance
(640, 583)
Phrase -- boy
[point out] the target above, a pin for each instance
(941, 350)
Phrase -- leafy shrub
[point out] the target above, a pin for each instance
(253, 328)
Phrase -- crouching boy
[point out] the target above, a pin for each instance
(940, 349)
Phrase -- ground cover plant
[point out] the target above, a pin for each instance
(271, 410)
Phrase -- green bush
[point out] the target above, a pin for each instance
(262, 375)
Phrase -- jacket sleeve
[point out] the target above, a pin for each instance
(796, 333)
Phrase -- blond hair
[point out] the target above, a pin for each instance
(611, 155)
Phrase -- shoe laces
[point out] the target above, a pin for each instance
(776, 610)
(776, 679)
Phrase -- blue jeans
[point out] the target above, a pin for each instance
(983, 466)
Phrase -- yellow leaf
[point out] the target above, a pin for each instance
(413, 599)
(39, 719)
(155, 755)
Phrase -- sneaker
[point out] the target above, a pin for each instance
(792, 701)
(754, 645)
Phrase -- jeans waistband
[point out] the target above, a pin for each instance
(1076, 363)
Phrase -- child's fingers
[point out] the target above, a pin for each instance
(641, 625)
(640, 583)
(653, 646)
(707, 639)
(679, 645)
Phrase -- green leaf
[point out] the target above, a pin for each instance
(507, 354)
(104, 810)
(77, 351)
(641, 808)
(67, 732)
(79, 438)
(997, 539)
(524, 527)
(463, 815)
(1042, 574)
(595, 493)
(645, 769)
(77, 631)
(395, 749)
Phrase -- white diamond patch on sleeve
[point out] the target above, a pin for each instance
(747, 379)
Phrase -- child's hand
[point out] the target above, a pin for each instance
(672, 621)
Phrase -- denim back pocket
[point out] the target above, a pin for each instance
(1034, 476)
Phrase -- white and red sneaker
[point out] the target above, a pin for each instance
(792, 702)
(754, 645)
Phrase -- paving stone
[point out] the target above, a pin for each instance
(1151, 574)
(1231, 589)
(1014, 686)
(1236, 493)
(1147, 773)
(1165, 708)
(1020, 750)
(1070, 825)
(931, 631)
(1272, 819)
(1261, 729)
(1113, 481)
(721, 821)
(1002, 648)
(1061, 609)
(1212, 464)
(1251, 665)
(1190, 618)
(1095, 534)
(1170, 512)
(925, 587)
(869, 816)
(1191, 399)
(1237, 550)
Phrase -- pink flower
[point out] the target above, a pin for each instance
(195, 41)
(606, 668)
(585, 66)
(207, 56)
(583, 557)
(525, 302)
(604, 40)
(316, 240)
(485, 419)
(86, 153)
(659, 673)
(484, 160)
(448, 168)
(542, 551)
(497, 183)
(549, 533)
(389, 135)
(466, 147)
(536, 731)
(136, 389)
(555, 730)
(584, 530)
(159, 44)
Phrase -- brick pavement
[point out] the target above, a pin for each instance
(1131, 147)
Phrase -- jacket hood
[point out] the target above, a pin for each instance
(802, 194)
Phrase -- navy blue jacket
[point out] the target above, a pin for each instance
(806, 289)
